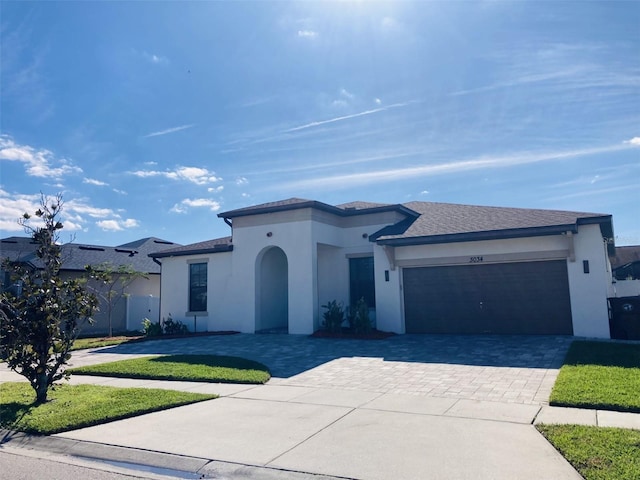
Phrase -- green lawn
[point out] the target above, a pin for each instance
(194, 368)
(599, 375)
(597, 453)
(95, 342)
(75, 406)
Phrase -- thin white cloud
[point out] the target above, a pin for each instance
(241, 181)
(345, 93)
(168, 131)
(197, 175)
(117, 225)
(182, 207)
(121, 192)
(381, 176)
(594, 192)
(38, 162)
(347, 117)
(307, 33)
(377, 101)
(93, 181)
(215, 189)
(634, 141)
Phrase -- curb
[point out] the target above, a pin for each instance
(193, 467)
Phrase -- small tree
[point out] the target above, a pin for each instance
(38, 327)
(111, 284)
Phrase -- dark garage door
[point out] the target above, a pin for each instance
(502, 298)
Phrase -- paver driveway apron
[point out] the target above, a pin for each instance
(514, 369)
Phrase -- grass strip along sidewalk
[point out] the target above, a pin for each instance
(192, 368)
(602, 375)
(605, 376)
(597, 453)
(75, 406)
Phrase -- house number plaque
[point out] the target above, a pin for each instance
(475, 259)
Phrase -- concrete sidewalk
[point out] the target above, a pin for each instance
(336, 433)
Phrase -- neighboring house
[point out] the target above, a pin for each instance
(141, 296)
(422, 268)
(626, 271)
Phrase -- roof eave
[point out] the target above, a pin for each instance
(476, 236)
(198, 251)
(342, 212)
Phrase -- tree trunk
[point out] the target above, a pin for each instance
(41, 387)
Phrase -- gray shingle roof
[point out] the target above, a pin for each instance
(288, 204)
(216, 245)
(626, 255)
(75, 256)
(452, 222)
(358, 205)
(347, 209)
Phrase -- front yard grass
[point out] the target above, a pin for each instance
(95, 342)
(75, 406)
(597, 453)
(193, 368)
(599, 375)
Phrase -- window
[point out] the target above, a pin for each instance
(361, 281)
(197, 287)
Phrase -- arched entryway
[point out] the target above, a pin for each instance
(272, 291)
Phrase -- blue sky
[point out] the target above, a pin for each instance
(151, 118)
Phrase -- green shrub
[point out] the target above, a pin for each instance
(359, 320)
(172, 327)
(334, 316)
(151, 329)
(166, 327)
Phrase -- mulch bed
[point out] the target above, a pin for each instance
(372, 335)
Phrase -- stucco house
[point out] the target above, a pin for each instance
(142, 296)
(422, 267)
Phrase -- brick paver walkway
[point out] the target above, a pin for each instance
(515, 369)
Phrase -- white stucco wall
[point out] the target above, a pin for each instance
(317, 255)
(175, 292)
(589, 290)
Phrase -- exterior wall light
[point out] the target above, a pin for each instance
(269, 234)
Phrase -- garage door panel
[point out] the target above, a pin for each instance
(511, 298)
